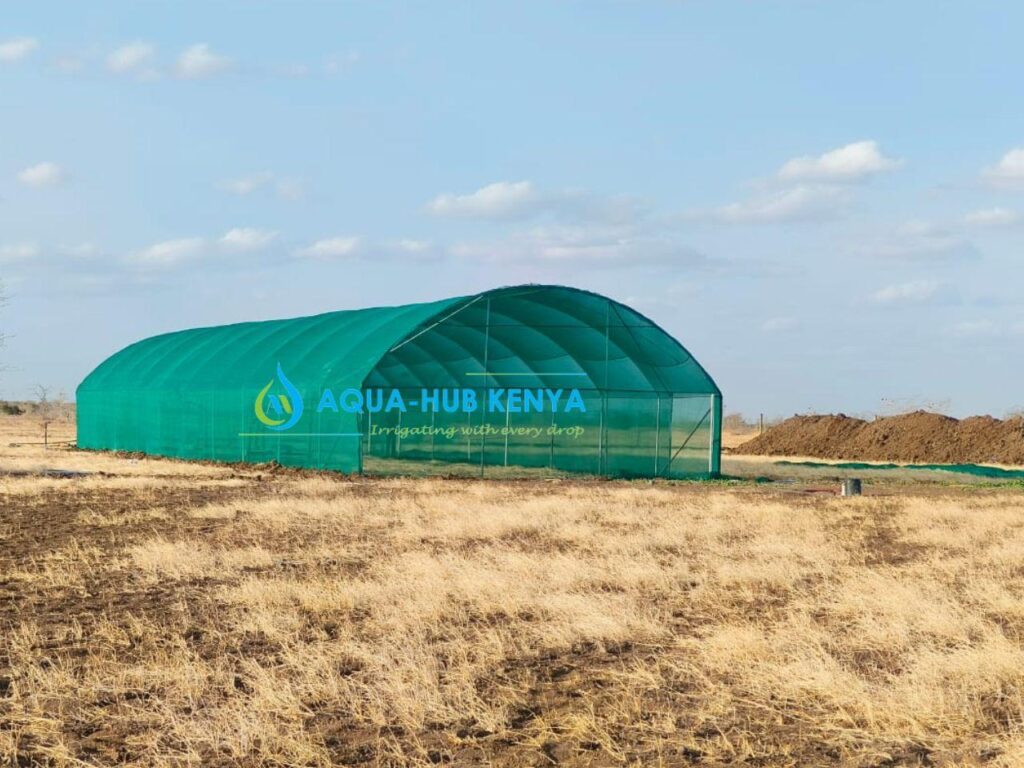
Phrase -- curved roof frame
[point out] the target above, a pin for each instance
(353, 345)
(436, 329)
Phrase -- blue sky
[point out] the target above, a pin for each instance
(822, 201)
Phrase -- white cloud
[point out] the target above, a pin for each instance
(338, 63)
(169, 252)
(800, 203)
(403, 250)
(509, 200)
(330, 248)
(290, 189)
(969, 329)
(198, 61)
(296, 70)
(18, 48)
(352, 247)
(286, 189)
(68, 65)
(45, 174)
(987, 328)
(80, 251)
(247, 239)
(591, 246)
(913, 292)
(922, 241)
(815, 188)
(1009, 171)
(134, 58)
(15, 252)
(848, 163)
(246, 185)
(992, 217)
(412, 246)
(500, 200)
(779, 324)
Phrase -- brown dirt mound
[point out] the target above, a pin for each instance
(912, 437)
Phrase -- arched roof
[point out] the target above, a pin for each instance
(532, 335)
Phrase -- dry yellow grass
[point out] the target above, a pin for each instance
(732, 436)
(175, 614)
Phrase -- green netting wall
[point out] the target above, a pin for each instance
(649, 409)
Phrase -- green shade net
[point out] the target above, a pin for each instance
(651, 409)
(975, 470)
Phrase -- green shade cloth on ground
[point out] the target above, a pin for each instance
(978, 470)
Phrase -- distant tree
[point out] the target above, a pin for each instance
(737, 422)
(49, 409)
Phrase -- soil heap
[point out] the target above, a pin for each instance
(918, 437)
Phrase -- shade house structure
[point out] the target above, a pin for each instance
(535, 378)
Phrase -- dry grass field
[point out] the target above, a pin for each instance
(160, 613)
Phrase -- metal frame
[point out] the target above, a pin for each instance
(693, 431)
(710, 417)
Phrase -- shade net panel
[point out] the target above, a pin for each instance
(561, 381)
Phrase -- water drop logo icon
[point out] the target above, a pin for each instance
(279, 411)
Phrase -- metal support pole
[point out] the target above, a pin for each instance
(671, 425)
(657, 436)
(711, 439)
(693, 431)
